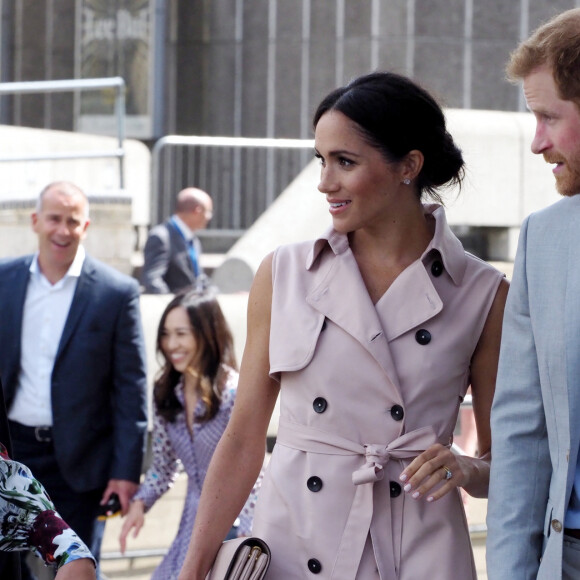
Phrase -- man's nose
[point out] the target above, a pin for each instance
(540, 142)
(63, 229)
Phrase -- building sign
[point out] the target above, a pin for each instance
(115, 38)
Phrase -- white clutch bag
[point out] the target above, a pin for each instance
(241, 559)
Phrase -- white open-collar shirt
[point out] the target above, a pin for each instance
(46, 309)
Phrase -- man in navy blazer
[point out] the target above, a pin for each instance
(72, 362)
(172, 251)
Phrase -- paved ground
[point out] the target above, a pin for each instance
(157, 533)
(161, 525)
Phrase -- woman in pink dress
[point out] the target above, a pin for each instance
(371, 335)
(193, 400)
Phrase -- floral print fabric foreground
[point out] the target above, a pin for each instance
(28, 520)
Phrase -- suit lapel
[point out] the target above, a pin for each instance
(21, 278)
(179, 245)
(81, 299)
(18, 285)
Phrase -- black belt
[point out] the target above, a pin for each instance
(572, 532)
(41, 434)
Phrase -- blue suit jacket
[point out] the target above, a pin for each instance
(98, 380)
(535, 418)
(167, 267)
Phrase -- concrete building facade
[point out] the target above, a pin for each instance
(256, 68)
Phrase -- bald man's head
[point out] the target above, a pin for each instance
(195, 207)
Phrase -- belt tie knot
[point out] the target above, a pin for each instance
(373, 470)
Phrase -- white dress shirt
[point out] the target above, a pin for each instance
(46, 309)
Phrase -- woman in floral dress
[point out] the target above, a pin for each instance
(193, 400)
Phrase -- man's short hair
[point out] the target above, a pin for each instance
(557, 45)
(67, 188)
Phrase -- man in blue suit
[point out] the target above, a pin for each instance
(534, 494)
(72, 362)
(172, 252)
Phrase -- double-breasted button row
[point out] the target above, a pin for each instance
(423, 336)
(314, 483)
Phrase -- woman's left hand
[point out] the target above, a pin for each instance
(433, 474)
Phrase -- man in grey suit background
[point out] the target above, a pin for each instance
(172, 252)
(72, 362)
(534, 496)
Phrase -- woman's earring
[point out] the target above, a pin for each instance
(406, 181)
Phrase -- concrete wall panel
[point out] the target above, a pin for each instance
(496, 20)
(445, 83)
(439, 19)
(288, 88)
(489, 88)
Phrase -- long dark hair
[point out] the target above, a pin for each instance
(215, 346)
(395, 115)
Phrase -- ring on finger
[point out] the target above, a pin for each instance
(448, 473)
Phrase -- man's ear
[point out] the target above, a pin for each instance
(87, 224)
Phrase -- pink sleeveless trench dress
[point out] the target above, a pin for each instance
(364, 389)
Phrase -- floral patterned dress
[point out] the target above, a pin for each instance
(175, 448)
(28, 520)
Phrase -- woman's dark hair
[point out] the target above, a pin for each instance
(395, 115)
(215, 346)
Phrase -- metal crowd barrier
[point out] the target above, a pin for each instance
(72, 85)
(243, 175)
